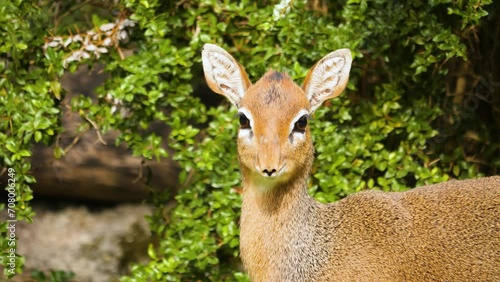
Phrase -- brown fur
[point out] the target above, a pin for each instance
(443, 232)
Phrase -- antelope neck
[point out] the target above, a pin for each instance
(277, 223)
(282, 198)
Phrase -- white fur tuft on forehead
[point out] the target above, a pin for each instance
(328, 78)
(223, 74)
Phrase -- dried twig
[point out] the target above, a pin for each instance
(73, 143)
(96, 129)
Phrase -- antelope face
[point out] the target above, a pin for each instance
(274, 138)
(274, 141)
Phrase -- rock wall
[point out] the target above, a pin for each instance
(97, 244)
(92, 170)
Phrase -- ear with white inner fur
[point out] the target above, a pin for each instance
(327, 78)
(223, 73)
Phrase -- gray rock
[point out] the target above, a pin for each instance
(96, 245)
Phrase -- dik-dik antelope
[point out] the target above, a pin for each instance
(444, 232)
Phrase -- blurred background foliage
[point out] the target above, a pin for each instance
(422, 105)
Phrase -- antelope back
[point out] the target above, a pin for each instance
(274, 141)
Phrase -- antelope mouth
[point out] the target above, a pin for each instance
(273, 174)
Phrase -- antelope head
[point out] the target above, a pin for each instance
(274, 142)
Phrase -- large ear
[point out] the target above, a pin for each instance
(223, 73)
(327, 78)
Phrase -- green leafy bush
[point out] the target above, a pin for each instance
(54, 276)
(383, 133)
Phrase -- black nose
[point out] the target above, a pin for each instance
(269, 172)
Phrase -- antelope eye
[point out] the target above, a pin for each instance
(244, 122)
(301, 124)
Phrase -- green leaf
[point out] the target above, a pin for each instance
(55, 86)
(10, 147)
(21, 46)
(38, 136)
(24, 153)
(58, 152)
